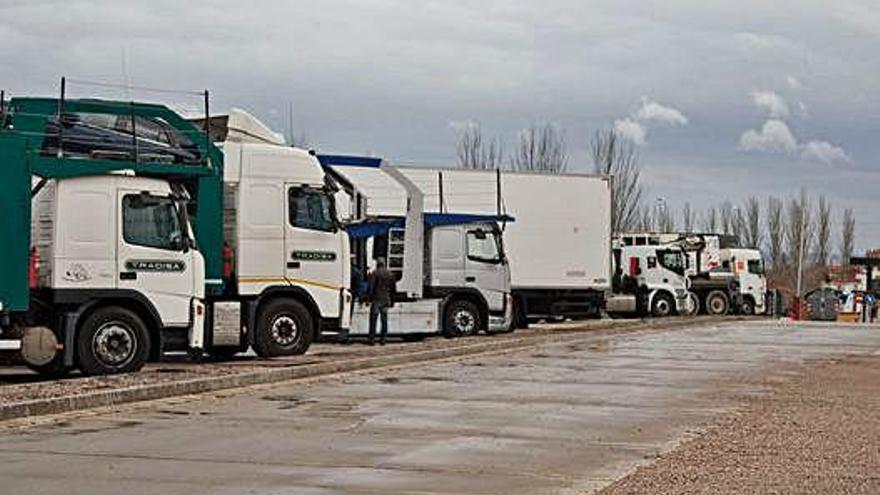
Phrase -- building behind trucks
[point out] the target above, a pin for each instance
(101, 268)
(724, 277)
(452, 271)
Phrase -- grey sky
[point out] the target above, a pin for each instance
(398, 78)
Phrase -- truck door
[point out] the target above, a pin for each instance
(485, 266)
(153, 255)
(313, 245)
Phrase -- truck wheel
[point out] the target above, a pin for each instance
(693, 304)
(663, 305)
(284, 328)
(462, 318)
(112, 340)
(717, 303)
(747, 307)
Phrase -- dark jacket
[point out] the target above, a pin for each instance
(381, 284)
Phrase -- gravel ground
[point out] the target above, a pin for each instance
(817, 430)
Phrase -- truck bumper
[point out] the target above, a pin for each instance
(502, 323)
(683, 304)
(10, 345)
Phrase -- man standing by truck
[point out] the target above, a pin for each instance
(380, 293)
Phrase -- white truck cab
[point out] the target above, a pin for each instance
(650, 279)
(748, 267)
(124, 241)
(453, 275)
(288, 256)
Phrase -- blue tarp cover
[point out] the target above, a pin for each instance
(372, 228)
(349, 160)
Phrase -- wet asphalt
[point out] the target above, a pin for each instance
(561, 418)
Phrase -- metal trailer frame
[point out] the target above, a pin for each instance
(23, 123)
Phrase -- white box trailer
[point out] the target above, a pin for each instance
(559, 244)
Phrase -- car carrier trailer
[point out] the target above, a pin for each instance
(122, 239)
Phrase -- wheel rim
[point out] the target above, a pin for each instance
(465, 322)
(114, 344)
(662, 307)
(284, 330)
(717, 305)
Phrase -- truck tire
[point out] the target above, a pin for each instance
(112, 340)
(663, 305)
(717, 303)
(284, 328)
(693, 305)
(747, 307)
(461, 318)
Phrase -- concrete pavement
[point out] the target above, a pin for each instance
(565, 418)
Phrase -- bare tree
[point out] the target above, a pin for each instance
(710, 221)
(665, 219)
(646, 220)
(775, 232)
(823, 231)
(799, 231)
(615, 156)
(540, 149)
(738, 226)
(726, 213)
(477, 153)
(687, 217)
(847, 236)
(753, 223)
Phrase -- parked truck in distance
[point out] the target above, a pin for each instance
(452, 270)
(723, 277)
(648, 280)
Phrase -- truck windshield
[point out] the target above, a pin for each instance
(151, 221)
(756, 267)
(311, 209)
(484, 246)
(671, 260)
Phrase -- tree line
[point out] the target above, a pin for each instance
(786, 229)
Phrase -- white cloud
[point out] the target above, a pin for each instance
(774, 104)
(633, 127)
(630, 129)
(825, 152)
(651, 110)
(774, 136)
(461, 125)
(793, 82)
